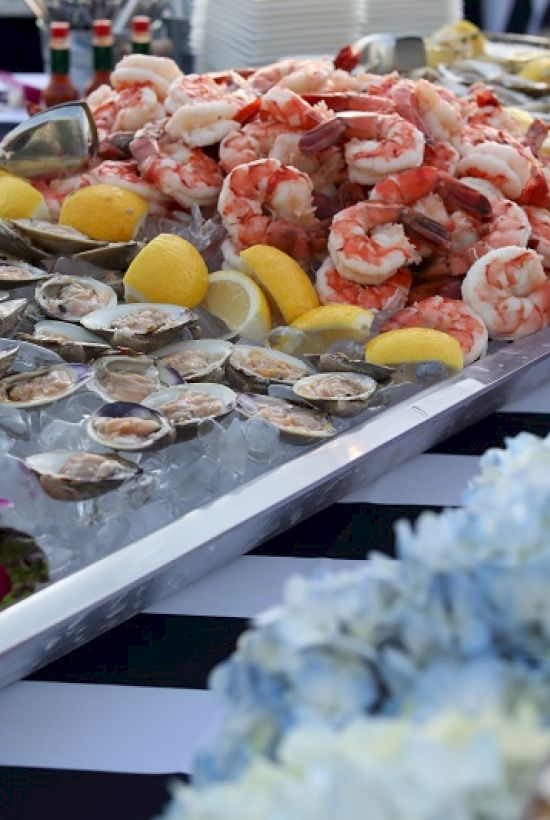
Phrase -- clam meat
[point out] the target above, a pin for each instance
(299, 424)
(75, 476)
(129, 426)
(198, 359)
(343, 394)
(131, 378)
(72, 297)
(255, 368)
(140, 327)
(188, 405)
(42, 386)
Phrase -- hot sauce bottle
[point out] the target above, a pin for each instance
(60, 89)
(103, 54)
(141, 34)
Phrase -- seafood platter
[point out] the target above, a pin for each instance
(267, 287)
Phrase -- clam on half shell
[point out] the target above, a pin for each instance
(55, 238)
(143, 326)
(298, 424)
(131, 378)
(72, 342)
(342, 394)
(254, 368)
(124, 425)
(8, 354)
(75, 475)
(197, 360)
(340, 363)
(14, 273)
(188, 405)
(70, 298)
(43, 386)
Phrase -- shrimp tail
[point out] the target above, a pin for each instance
(116, 146)
(347, 58)
(535, 136)
(461, 196)
(322, 137)
(426, 227)
(536, 191)
(143, 146)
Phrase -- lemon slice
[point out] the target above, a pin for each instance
(19, 200)
(285, 283)
(414, 344)
(104, 212)
(537, 70)
(169, 270)
(240, 303)
(333, 323)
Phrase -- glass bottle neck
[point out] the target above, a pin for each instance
(141, 47)
(103, 58)
(59, 60)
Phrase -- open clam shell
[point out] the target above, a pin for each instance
(197, 360)
(72, 342)
(55, 238)
(70, 298)
(43, 386)
(254, 368)
(142, 327)
(14, 273)
(131, 378)
(298, 424)
(69, 475)
(11, 313)
(342, 394)
(8, 354)
(14, 244)
(340, 363)
(128, 426)
(188, 405)
(114, 255)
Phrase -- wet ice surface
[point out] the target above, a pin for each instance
(177, 479)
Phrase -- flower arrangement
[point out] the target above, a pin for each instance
(448, 646)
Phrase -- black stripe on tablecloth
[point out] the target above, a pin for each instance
(176, 651)
(345, 531)
(29, 794)
(492, 432)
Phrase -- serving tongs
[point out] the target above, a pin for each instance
(57, 142)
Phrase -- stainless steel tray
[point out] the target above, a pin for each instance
(92, 600)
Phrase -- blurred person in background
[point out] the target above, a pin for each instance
(515, 16)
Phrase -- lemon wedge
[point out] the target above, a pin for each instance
(169, 270)
(240, 303)
(19, 200)
(414, 344)
(537, 70)
(286, 285)
(104, 212)
(332, 323)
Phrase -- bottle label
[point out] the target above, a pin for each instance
(60, 60)
(103, 58)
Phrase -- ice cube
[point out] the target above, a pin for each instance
(262, 439)
(79, 406)
(64, 435)
(233, 455)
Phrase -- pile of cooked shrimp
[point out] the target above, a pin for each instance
(402, 197)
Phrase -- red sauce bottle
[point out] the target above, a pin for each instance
(141, 34)
(60, 89)
(103, 55)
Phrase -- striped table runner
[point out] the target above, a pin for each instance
(95, 734)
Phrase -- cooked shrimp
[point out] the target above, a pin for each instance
(441, 155)
(283, 105)
(300, 76)
(390, 296)
(434, 110)
(324, 169)
(145, 70)
(367, 242)
(508, 225)
(125, 174)
(450, 316)
(267, 202)
(191, 89)
(182, 173)
(254, 141)
(203, 123)
(377, 144)
(124, 110)
(539, 219)
(509, 290)
(485, 108)
(502, 165)
(352, 101)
